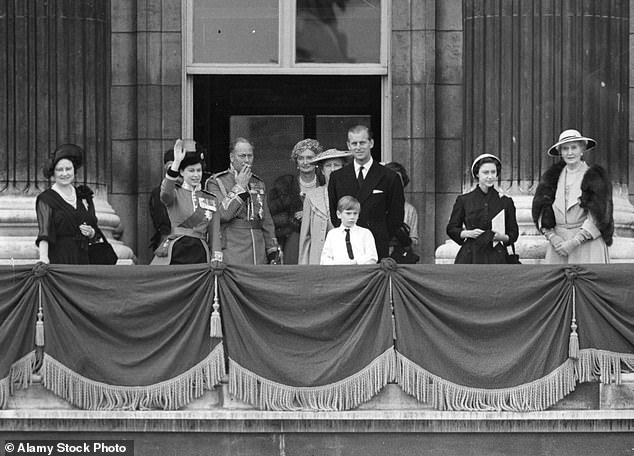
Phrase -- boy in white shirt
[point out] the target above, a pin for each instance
(349, 243)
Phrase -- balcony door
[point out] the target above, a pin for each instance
(275, 112)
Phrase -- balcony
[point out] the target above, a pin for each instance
(378, 359)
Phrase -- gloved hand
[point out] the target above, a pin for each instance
(555, 240)
(566, 247)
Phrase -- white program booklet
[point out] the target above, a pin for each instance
(497, 224)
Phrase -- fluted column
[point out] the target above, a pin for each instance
(533, 69)
(54, 88)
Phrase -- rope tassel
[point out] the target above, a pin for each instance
(573, 343)
(215, 324)
(39, 325)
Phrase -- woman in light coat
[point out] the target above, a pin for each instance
(573, 205)
(316, 214)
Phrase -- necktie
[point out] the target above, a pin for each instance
(348, 244)
(360, 177)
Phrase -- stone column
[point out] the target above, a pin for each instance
(533, 69)
(54, 89)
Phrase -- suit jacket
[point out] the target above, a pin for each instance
(381, 197)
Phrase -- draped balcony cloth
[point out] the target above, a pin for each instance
(129, 337)
(501, 338)
(605, 316)
(18, 314)
(307, 337)
(461, 337)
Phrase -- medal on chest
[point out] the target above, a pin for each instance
(255, 208)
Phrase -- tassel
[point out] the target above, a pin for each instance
(39, 334)
(215, 324)
(573, 343)
(39, 325)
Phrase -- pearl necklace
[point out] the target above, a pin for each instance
(70, 199)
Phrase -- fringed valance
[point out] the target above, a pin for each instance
(315, 338)
(170, 394)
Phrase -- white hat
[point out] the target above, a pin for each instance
(331, 153)
(482, 157)
(567, 136)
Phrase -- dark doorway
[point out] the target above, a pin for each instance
(275, 112)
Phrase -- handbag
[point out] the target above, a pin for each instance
(402, 252)
(512, 258)
(101, 252)
(404, 255)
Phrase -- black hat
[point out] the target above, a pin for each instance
(71, 152)
(192, 158)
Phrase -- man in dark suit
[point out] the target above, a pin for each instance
(378, 189)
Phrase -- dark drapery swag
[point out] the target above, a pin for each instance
(18, 314)
(121, 338)
(461, 337)
(307, 337)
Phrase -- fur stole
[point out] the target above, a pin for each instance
(596, 198)
(545, 197)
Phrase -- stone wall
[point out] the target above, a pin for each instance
(426, 80)
(146, 107)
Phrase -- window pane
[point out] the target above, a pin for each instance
(338, 31)
(332, 131)
(274, 138)
(235, 31)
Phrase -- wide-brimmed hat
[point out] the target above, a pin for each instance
(567, 136)
(331, 153)
(71, 152)
(482, 157)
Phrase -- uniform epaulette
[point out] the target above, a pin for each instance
(221, 173)
(257, 177)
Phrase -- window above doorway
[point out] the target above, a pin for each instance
(287, 36)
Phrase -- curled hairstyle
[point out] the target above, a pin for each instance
(306, 144)
(348, 203)
(482, 161)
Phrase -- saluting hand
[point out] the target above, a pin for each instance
(179, 153)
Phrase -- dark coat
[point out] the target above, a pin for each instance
(596, 198)
(284, 201)
(160, 218)
(381, 197)
(476, 209)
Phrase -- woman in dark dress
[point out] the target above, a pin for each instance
(482, 221)
(65, 213)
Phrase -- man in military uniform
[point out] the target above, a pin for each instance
(248, 232)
